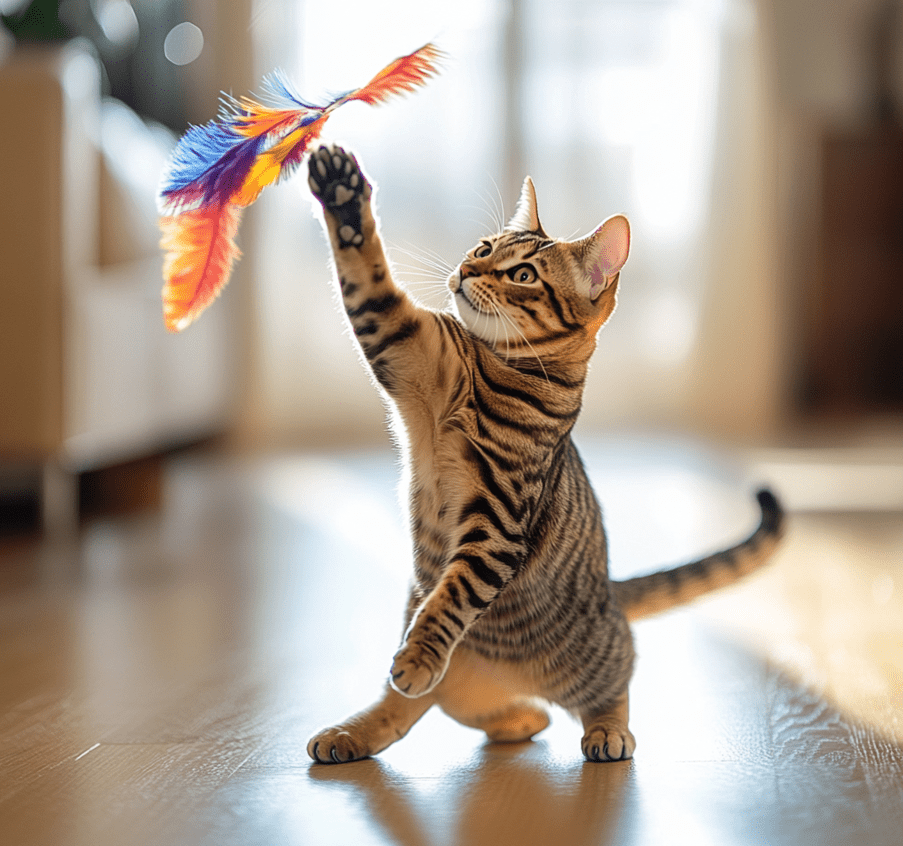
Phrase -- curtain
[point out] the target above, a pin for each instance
(659, 108)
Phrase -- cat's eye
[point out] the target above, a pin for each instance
(482, 251)
(523, 275)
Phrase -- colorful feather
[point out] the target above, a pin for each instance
(200, 246)
(218, 169)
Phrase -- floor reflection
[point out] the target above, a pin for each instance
(506, 794)
(162, 688)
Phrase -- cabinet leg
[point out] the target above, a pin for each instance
(59, 501)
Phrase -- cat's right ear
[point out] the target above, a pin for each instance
(603, 255)
(526, 215)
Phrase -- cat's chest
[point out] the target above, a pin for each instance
(441, 476)
(455, 458)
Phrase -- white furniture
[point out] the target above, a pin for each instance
(88, 375)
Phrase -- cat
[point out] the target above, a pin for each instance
(511, 606)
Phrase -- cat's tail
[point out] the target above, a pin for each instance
(656, 592)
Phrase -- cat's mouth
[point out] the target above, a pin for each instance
(463, 295)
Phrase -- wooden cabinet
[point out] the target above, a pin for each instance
(853, 350)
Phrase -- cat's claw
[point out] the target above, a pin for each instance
(415, 671)
(337, 181)
(601, 744)
(336, 746)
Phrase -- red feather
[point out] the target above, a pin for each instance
(200, 249)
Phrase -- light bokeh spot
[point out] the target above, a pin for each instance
(183, 44)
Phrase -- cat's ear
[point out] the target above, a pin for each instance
(604, 253)
(526, 217)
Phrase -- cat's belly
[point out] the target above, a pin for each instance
(476, 684)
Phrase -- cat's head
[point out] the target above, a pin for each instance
(528, 295)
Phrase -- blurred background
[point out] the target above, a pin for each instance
(223, 563)
(756, 147)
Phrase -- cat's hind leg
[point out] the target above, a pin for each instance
(519, 721)
(370, 731)
(606, 736)
(490, 696)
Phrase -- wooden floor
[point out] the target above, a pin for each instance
(160, 675)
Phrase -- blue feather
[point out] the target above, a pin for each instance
(208, 163)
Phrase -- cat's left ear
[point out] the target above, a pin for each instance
(526, 216)
(604, 254)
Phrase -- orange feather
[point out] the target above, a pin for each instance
(200, 249)
(402, 75)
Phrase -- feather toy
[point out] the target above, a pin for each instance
(218, 169)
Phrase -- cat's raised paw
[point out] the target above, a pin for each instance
(337, 182)
(608, 744)
(416, 670)
(336, 746)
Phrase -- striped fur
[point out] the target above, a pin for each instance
(511, 605)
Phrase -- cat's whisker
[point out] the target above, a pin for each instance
(524, 339)
(425, 272)
(502, 315)
(502, 319)
(426, 258)
(426, 281)
(444, 270)
(433, 292)
(488, 209)
(422, 278)
(428, 273)
(498, 324)
(425, 287)
(483, 224)
(413, 277)
(426, 268)
(501, 205)
(436, 264)
(487, 204)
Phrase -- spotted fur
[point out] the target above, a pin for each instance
(511, 604)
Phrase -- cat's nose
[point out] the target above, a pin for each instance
(468, 270)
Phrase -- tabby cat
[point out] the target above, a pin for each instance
(511, 606)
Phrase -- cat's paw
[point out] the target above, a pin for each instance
(337, 181)
(416, 669)
(338, 745)
(608, 743)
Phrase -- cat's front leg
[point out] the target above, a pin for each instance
(423, 659)
(606, 735)
(401, 341)
(475, 576)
